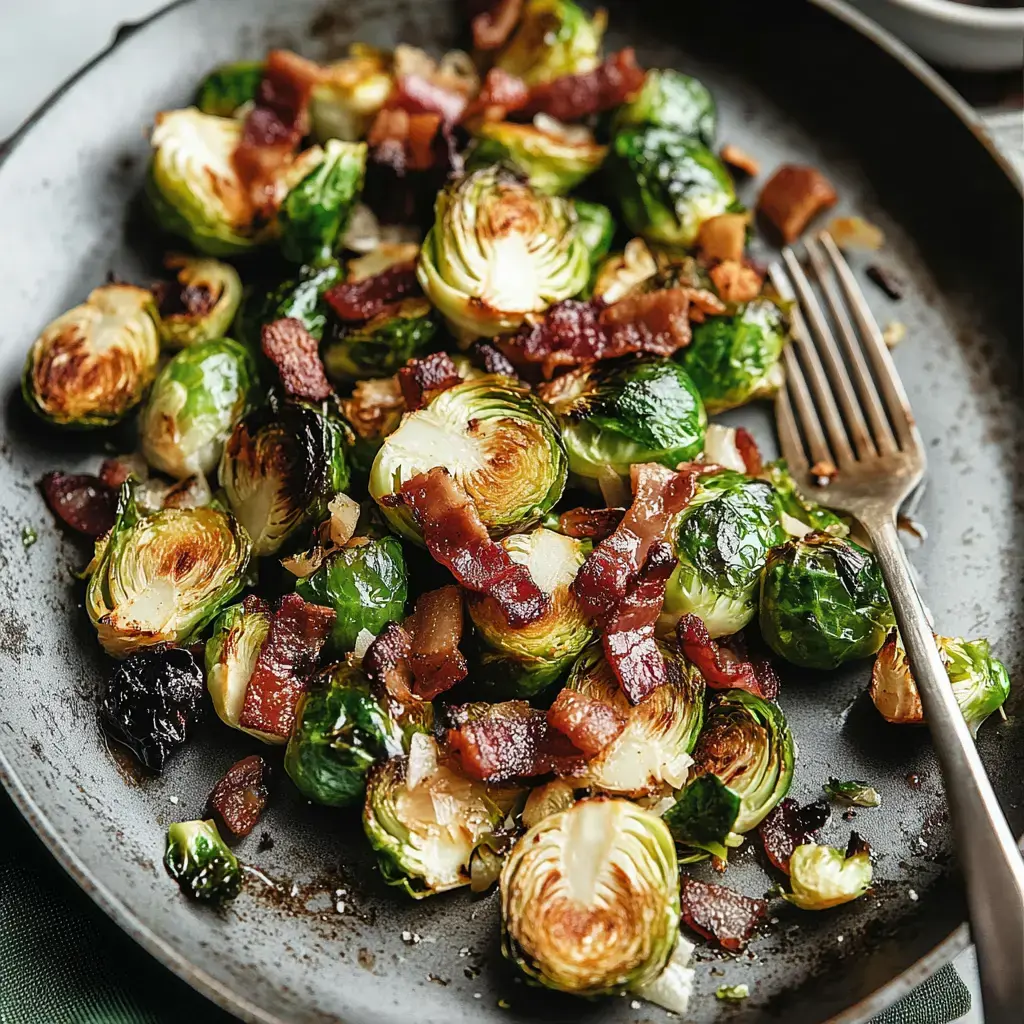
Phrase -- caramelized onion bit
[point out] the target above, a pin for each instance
(736, 282)
(492, 27)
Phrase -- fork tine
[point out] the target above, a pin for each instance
(818, 381)
(801, 400)
(789, 436)
(883, 436)
(892, 387)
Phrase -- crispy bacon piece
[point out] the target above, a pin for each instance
(628, 642)
(114, 472)
(736, 282)
(403, 139)
(435, 626)
(511, 740)
(81, 501)
(792, 196)
(418, 94)
(358, 301)
(590, 724)
(568, 334)
(656, 322)
(421, 379)
(740, 159)
(492, 27)
(749, 452)
(573, 97)
(500, 95)
(240, 797)
(386, 664)
(788, 826)
(456, 537)
(494, 360)
(722, 668)
(611, 567)
(298, 632)
(719, 913)
(590, 523)
(296, 354)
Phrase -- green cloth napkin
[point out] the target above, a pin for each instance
(62, 961)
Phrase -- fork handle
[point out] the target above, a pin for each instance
(988, 853)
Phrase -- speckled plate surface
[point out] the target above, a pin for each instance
(316, 936)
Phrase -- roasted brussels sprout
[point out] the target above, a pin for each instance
(622, 273)
(522, 662)
(495, 437)
(203, 303)
(668, 184)
(635, 410)
(195, 401)
(735, 359)
(230, 656)
(823, 877)
(554, 158)
(650, 757)
(704, 815)
(499, 250)
(366, 585)
(316, 211)
(229, 87)
(722, 541)
(799, 516)
(823, 602)
(980, 682)
(384, 344)
(340, 731)
(596, 226)
(348, 95)
(159, 579)
(94, 362)
(747, 744)
(201, 863)
(425, 823)
(301, 298)
(574, 873)
(553, 38)
(279, 471)
(670, 99)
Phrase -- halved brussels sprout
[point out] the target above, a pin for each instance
(425, 828)
(554, 158)
(519, 663)
(499, 250)
(590, 898)
(823, 602)
(553, 38)
(366, 585)
(980, 682)
(495, 437)
(384, 344)
(279, 471)
(93, 363)
(747, 744)
(614, 415)
(799, 516)
(668, 184)
(229, 87)
(650, 757)
(159, 579)
(823, 877)
(301, 297)
(596, 226)
(349, 94)
(204, 303)
(735, 359)
(622, 273)
(195, 401)
(722, 540)
(316, 211)
(340, 731)
(670, 99)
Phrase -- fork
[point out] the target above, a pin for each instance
(846, 428)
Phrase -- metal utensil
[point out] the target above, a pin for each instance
(848, 432)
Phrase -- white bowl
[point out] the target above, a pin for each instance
(955, 35)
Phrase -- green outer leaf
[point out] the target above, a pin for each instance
(822, 876)
(367, 586)
(228, 87)
(301, 297)
(195, 401)
(852, 793)
(382, 346)
(981, 683)
(201, 863)
(670, 99)
(705, 812)
(816, 517)
(823, 602)
(596, 226)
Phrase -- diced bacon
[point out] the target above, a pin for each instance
(492, 27)
(417, 94)
(573, 97)
(590, 523)
(749, 452)
(81, 501)
(736, 282)
(740, 159)
(494, 360)
(719, 913)
(500, 95)
(657, 322)
(240, 797)
(794, 195)
(422, 379)
(358, 301)
(590, 724)
(296, 355)
(723, 237)
(722, 668)
(788, 826)
(435, 626)
(387, 666)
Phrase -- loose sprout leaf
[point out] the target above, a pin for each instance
(240, 797)
(83, 502)
(788, 826)
(590, 724)
(852, 793)
(823, 876)
(229, 87)
(296, 355)
(200, 862)
(721, 914)
(705, 812)
(721, 667)
(732, 993)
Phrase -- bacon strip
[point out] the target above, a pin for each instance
(511, 740)
(386, 664)
(749, 452)
(296, 355)
(788, 826)
(358, 301)
(628, 642)
(719, 913)
(417, 94)
(573, 97)
(436, 662)
(422, 379)
(590, 724)
(458, 539)
(81, 501)
(298, 632)
(722, 668)
(590, 523)
(240, 797)
(500, 94)
(491, 28)
(605, 577)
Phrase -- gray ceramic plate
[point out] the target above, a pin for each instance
(316, 936)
